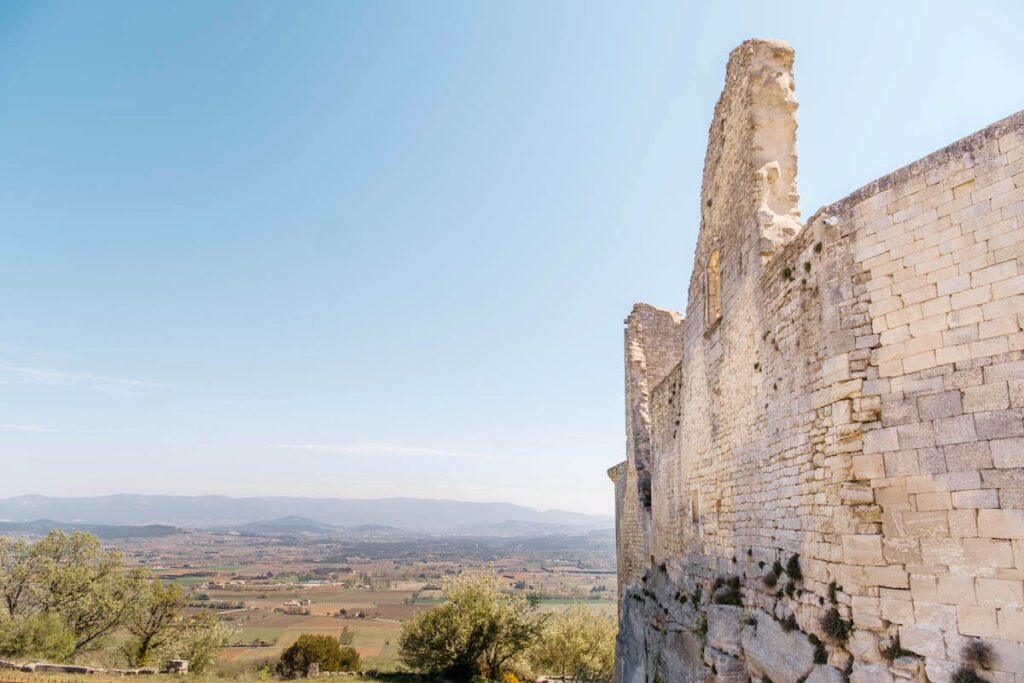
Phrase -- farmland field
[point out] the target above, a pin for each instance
(272, 589)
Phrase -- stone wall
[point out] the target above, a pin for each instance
(844, 402)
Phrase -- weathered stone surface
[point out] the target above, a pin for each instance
(725, 632)
(771, 651)
(727, 668)
(844, 394)
(43, 667)
(679, 657)
(826, 674)
(870, 673)
(863, 645)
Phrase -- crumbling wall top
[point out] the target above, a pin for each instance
(749, 199)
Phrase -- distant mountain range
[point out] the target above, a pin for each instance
(41, 527)
(300, 515)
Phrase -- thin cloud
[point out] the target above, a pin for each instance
(380, 449)
(28, 428)
(19, 374)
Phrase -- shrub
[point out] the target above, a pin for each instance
(977, 653)
(770, 580)
(790, 589)
(727, 591)
(576, 644)
(966, 674)
(322, 650)
(478, 630)
(777, 568)
(894, 650)
(793, 568)
(835, 627)
(820, 653)
(37, 635)
(789, 623)
(833, 589)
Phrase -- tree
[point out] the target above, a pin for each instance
(16, 574)
(35, 635)
(153, 626)
(477, 630)
(323, 650)
(70, 578)
(197, 639)
(577, 644)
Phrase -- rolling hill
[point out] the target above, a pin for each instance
(413, 514)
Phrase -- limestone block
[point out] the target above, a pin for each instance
(863, 549)
(44, 667)
(892, 498)
(986, 552)
(930, 524)
(728, 669)
(937, 500)
(725, 631)
(938, 670)
(967, 456)
(902, 550)
(770, 651)
(922, 641)
(868, 466)
(857, 494)
(1011, 624)
(1008, 453)
(998, 424)
(1009, 655)
(963, 523)
(978, 498)
(881, 440)
(897, 611)
(942, 551)
(956, 590)
(932, 406)
(1001, 523)
(976, 620)
(906, 668)
(999, 592)
(826, 674)
(938, 617)
(951, 430)
(681, 658)
(923, 588)
(889, 577)
(870, 673)
(863, 645)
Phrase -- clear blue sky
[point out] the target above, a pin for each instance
(385, 248)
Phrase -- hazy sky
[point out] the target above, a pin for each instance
(385, 248)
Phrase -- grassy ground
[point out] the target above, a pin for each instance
(19, 677)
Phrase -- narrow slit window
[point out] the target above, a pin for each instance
(714, 298)
(694, 507)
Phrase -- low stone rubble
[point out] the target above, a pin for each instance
(51, 668)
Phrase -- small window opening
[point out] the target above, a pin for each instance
(694, 507)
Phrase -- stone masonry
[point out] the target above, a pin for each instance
(825, 457)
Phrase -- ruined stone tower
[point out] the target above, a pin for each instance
(825, 456)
